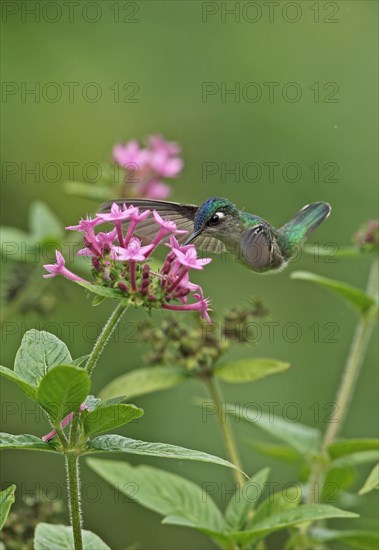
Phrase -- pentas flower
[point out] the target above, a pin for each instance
(146, 166)
(120, 262)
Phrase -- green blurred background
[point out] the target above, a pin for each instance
(170, 51)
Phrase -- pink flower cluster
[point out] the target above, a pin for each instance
(120, 262)
(146, 166)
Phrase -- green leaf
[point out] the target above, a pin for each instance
(347, 447)
(354, 295)
(372, 482)
(302, 438)
(275, 503)
(15, 243)
(28, 389)
(329, 250)
(43, 222)
(97, 300)
(107, 417)
(143, 381)
(25, 442)
(224, 539)
(79, 360)
(248, 370)
(119, 444)
(105, 292)
(60, 537)
(163, 492)
(363, 540)
(338, 477)
(245, 500)
(6, 501)
(289, 518)
(39, 352)
(355, 459)
(62, 390)
(285, 453)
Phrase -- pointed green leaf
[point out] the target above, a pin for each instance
(25, 442)
(302, 438)
(28, 389)
(105, 292)
(248, 370)
(62, 390)
(143, 381)
(245, 500)
(285, 453)
(6, 501)
(107, 417)
(338, 478)
(354, 295)
(59, 537)
(347, 447)
(39, 352)
(97, 300)
(163, 492)
(363, 540)
(224, 540)
(289, 518)
(43, 222)
(342, 252)
(14, 244)
(372, 482)
(354, 459)
(118, 444)
(276, 503)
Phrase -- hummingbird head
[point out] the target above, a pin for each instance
(215, 218)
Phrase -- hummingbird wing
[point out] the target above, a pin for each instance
(182, 214)
(257, 246)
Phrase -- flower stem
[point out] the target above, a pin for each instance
(349, 380)
(72, 465)
(230, 444)
(104, 336)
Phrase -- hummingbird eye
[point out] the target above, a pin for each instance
(216, 218)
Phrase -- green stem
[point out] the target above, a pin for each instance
(72, 465)
(230, 444)
(104, 336)
(72, 462)
(349, 380)
(354, 361)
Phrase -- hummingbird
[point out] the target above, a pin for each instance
(218, 226)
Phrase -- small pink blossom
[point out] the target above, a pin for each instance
(134, 251)
(165, 166)
(135, 218)
(116, 213)
(158, 143)
(87, 226)
(154, 189)
(189, 258)
(131, 154)
(59, 268)
(168, 225)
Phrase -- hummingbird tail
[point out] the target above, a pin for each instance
(305, 222)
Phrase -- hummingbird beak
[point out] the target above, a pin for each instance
(191, 237)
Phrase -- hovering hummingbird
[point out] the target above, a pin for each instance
(218, 226)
